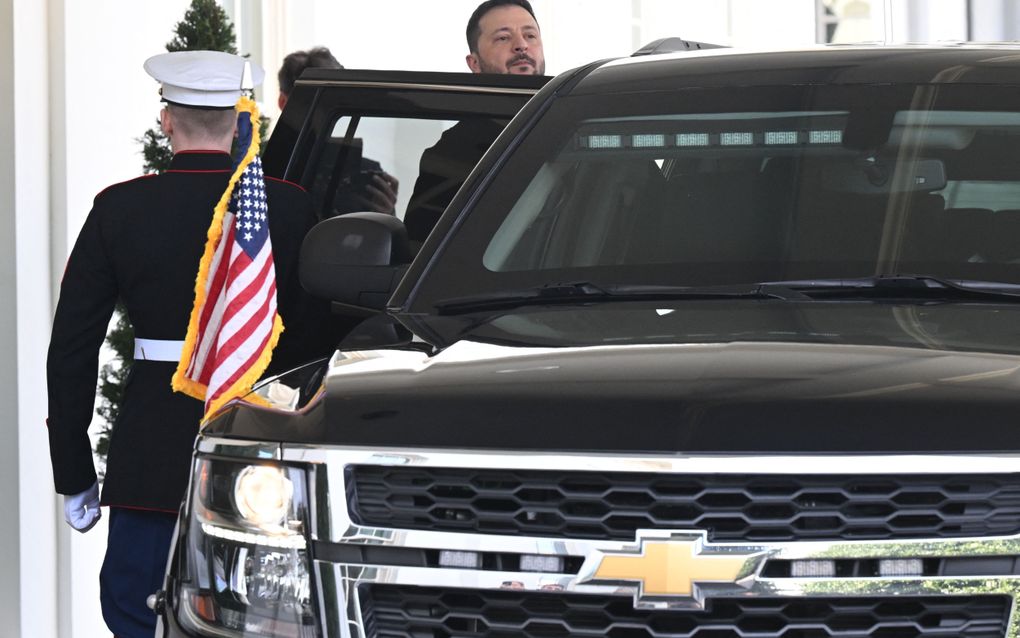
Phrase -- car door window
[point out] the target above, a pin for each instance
(411, 153)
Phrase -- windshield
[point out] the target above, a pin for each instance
(709, 187)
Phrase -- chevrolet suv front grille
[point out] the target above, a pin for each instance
(477, 544)
(393, 612)
(603, 505)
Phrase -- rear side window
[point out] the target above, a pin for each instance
(345, 131)
(362, 152)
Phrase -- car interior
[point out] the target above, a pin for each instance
(780, 197)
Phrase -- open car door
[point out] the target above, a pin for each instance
(381, 140)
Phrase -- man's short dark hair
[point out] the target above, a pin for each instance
(474, 31)
(298, 61)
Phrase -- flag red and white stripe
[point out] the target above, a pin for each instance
(234, 324)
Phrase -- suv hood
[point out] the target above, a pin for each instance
(707, 398)
(723, 397)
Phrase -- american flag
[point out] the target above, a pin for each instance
(234, 324)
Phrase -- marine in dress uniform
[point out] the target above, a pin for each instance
(141, 244)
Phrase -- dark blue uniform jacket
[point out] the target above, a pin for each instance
(142, 243)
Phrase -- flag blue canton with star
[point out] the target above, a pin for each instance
(248, 204)
(248, 201)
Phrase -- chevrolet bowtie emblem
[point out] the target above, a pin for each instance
(672, 567)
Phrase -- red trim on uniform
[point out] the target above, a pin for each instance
(283, 181)
(127, 181)
(141, 509)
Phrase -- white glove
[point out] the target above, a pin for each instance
(81, 511)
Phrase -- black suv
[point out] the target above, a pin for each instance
(709, 344)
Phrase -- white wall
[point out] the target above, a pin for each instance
(420, 36)
(897, 21)
(995, 20)
(10, 533)
(430, 36)
(926, 24)
(111, 101)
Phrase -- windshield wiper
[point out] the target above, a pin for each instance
(584, 292)
(549, 293)
(914, 287)
(905, 286)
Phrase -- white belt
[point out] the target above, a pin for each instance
(158, 350)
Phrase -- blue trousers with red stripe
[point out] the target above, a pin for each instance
(136, 554)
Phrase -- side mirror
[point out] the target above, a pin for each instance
(355, 260)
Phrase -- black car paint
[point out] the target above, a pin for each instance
(773, 377)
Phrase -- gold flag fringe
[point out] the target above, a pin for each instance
(180, 381)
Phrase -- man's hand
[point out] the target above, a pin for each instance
(382, 193)
(81, 511)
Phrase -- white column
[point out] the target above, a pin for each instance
(10, 530)
(274, 27)
(994, 20)
(928, 25)
(28, 564)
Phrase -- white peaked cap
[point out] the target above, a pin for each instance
(209, 79)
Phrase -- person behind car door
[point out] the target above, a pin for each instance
(503, 37)
(379, 194)
(141, 244)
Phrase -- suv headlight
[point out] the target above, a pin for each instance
(245, 569)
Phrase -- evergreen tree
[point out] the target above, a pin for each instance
(205, 27)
